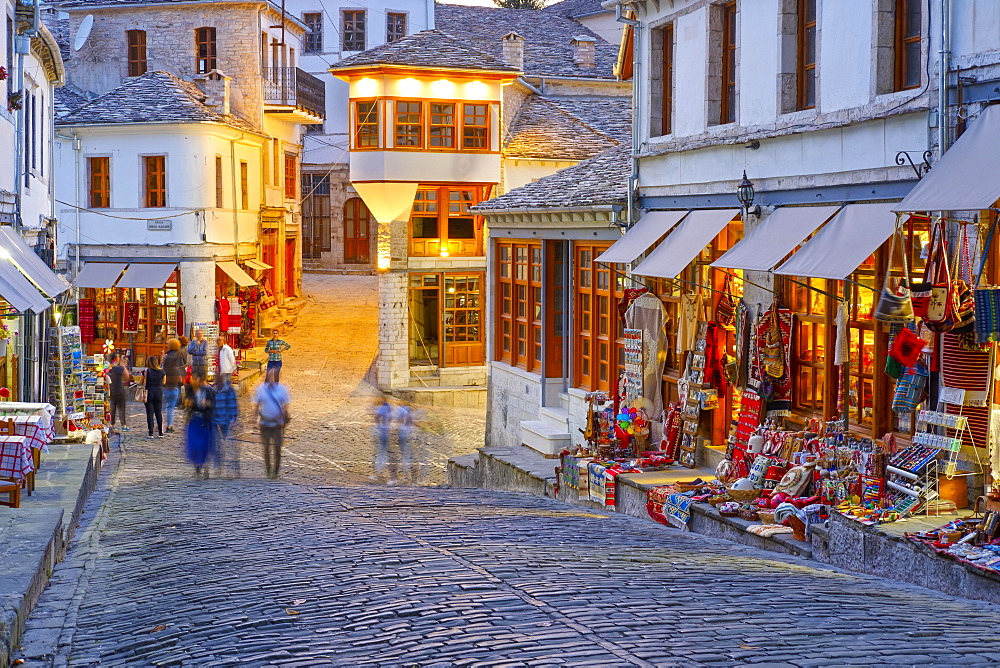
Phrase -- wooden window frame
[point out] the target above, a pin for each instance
(154, 179)
(667, 75)
(518, 309)
(206, 50)
(99, 182)
(365, 120)
(244, 185)
(137, 64)
(485, 127)
(452, 127)
(455, 247)
(291, 179)
(727, 105)
(395, 26)
(806, 70)
(312, 41)
(408, 135)
(220, 192)
(354, 29)
(599, 293)
(901, 41)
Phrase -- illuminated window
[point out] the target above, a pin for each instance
(475, 126)
(442, 133)
(408, 127)
(366, 124)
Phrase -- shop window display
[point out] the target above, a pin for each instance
(597, 358)
(156, 321)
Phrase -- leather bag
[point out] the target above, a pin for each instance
(894, 304)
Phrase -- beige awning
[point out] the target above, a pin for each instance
(234, 272)
(646, 232)
(258, 265)
(99, 274)
(967, 177)
(30, 264)
(685, 242)
(775, 237)
(837, 250)
(143, 275)
(18, 290)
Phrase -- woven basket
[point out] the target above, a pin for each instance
(766, 516)
(743, 495)
(716, 500)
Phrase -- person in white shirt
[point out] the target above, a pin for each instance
(272, 401)
(227, 363)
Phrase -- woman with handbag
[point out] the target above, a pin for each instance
(153, 386)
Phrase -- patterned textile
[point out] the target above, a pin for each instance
(715, 343)
(965, 369)
(768, 530)
(780, 403)
(267, 300)
(629, 295)
(130, 322)
(15, 457)
(596, 477)
(979, 424)
(749, 419)
(691, 311)
(667, 506)
(235, 316)
(910, 389)
(570, 466)
(35, 434)
(85, 315)
(987, 314)
(180, 320)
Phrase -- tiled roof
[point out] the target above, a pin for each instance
(601, 180)
(66, 100)
(155, 97)
(574, 8)
(610, 115)
(60, 30)
(547, 37)
(428, 48)
(543, 130)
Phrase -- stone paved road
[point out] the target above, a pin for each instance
(312, 569)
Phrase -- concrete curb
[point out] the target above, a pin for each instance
(41, 534)
(843, 543)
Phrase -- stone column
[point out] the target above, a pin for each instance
(197, 291)
(393, 363)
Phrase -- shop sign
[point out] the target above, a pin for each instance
(159, 224)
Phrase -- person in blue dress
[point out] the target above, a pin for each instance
(199, 399)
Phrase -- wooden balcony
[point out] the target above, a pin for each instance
(289, 90)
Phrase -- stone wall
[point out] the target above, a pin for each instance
(514, 396)
(102, 64)
(393, 362)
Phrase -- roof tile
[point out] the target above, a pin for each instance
(428, 48)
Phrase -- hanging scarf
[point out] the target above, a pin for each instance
(715, 342)
(180, 320)
(85, 315)
(628, 296)
(779, 403)
(130, 323)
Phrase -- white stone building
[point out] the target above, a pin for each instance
(183, 163)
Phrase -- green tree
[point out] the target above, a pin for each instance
(520, 4)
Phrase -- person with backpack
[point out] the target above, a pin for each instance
(271, 400)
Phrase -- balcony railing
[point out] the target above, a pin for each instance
(291, 87)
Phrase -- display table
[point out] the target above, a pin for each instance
(16, 460)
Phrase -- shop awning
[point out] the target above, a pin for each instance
(775, 237)
(18, 290)
(143, 275)
(683, 244)
(966, 177)
(844, 243)
(257, 264)
(30, 264)
(650, 228)
(234, 272)
(99, 274)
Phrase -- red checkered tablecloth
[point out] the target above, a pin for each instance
(30, 427)
(15, 457)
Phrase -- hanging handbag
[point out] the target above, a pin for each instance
(773, 355)
(906, 347)
(141, 394)
(894, 305)
(725, 310)
(965, 303)
(987, 300)
(929, 297)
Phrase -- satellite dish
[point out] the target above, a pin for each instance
(84, 32)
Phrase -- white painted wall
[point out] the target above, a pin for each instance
(691, 65)
(422, 166)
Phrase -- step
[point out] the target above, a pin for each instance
(543, 438)
(554, 416)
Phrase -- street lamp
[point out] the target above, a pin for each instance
(745, 194)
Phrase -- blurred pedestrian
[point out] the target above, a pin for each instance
(198, 349)
(173, 380)
(224, 419)
(402, 419)
(199, 399)
(118, 378)
(274, 347)
(272, 402)
(383, 427)
(153, 380)
(227, 364)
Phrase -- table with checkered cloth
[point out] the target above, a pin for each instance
(15, 457)
(30, 426)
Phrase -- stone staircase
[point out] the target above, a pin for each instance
(550, 433)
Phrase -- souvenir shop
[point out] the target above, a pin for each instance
(839, 358)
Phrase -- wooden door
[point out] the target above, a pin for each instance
(357, 226)
(462, 318)
(290, 268)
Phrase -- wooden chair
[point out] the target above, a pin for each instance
(13, 492)
(7, 429)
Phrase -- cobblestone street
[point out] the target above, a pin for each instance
(322, 567)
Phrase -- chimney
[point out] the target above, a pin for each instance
(513, 50)
(584, 51)
(216, 87)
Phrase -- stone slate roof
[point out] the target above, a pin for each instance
(65, 100)
(60, 31)
(154, 97)
(601, 180)
(547, 35)
(573, 8)
(428, 48)
(543, 130)
(609, 115)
